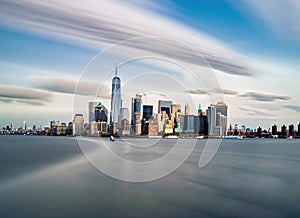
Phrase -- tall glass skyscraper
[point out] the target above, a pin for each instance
(147, 111)
(116, 102)
(222, 108)
(136, 104)
(92, 106)
(211, 119)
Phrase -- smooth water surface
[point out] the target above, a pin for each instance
(50, 177)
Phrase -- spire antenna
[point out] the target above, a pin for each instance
(116, 69)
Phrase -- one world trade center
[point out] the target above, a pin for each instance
(116, 102)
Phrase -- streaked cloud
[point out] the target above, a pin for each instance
(6, 100)
(101, 23)
(198, 92)
(31, 102)
(264, 97)
(293, 107)
(281, 16)
(255, 112)
(225, 91)
(208, 92)
(69, 86)
(25, 95)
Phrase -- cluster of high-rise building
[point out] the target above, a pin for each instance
(142, 120)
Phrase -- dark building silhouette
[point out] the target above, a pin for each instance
(203, 125)
(274, 129)
(147, 112)
(100, 113)
(291, 130)
(283, 132)
(70, 128)
(259, 132)
(299, 129)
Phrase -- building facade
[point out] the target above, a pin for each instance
(116, 102)
(78, 123)
(165, 106)
(92, 106)
(211, 115)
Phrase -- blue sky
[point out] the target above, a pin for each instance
(252, 48)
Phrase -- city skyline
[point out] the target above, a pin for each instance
(253, 54)
(169, 121)
(212, 111)
(98, 122)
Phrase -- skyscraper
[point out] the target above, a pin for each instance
(291, 130)
(274, 129)
(100, 113)
(175, 113)
(136, 104)
(174, 108)
(24, 125)
(199, 110)
(259, 132)
(147, 111)
(92, 106)
(221, 123)
(124, 114)
(211, 119)
(187, 109)
(165, 106)
(78, 123)
(283, 132)
(222, 108)
(116, 102)
(203, 124)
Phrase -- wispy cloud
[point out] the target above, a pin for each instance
(25, 95)
(198, 91)
(225, 91)
(99, 23)
(293, 107)
(281, 16)
(209, 92)
(254, 111)
(69, 86)
(6, 100)
(264, 97)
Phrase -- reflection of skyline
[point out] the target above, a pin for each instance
(255, 59)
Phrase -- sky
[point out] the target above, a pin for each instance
(56, 56)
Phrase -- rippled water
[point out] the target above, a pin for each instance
(50, 177)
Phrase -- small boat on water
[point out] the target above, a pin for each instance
(155, 137)
(112, 138)
(171, 137)
(233, 137)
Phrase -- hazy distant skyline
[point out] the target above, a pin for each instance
(252, 46)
